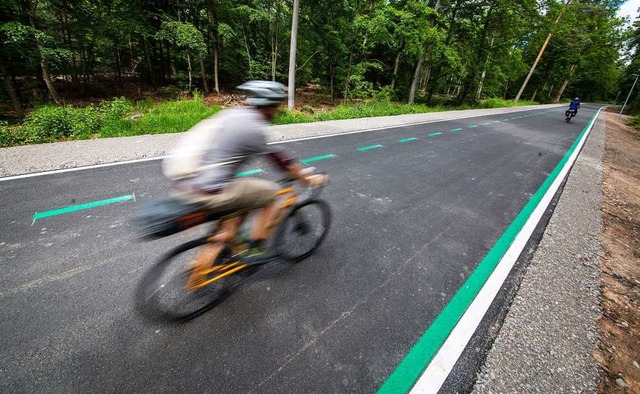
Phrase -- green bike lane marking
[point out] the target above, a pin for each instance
(423, 351)
(317, 158)
(257, 171)
(81, 207)
(366, 148)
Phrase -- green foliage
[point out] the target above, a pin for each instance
(116, 108)
(167, 117)
(51, 123)
(499, 103)
(634, 121)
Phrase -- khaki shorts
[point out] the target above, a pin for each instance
(244, 193)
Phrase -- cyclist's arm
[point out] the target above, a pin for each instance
(293, 166)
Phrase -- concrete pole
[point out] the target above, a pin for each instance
(629, 95)
(292, 54)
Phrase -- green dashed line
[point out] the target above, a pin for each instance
(249, 173)
(505, 120)
(80, 207)
(434, 134)
(365, 148)
(407, 139)
(456, 129)
(473, 126)
(317, 158)
(486, 124)
(497, 121)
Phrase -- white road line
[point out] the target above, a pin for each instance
(443, 362)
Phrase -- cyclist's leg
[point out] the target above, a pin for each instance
(260, 194)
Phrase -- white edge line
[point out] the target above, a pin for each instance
(118, 163)
(443, 362)
(35, 174)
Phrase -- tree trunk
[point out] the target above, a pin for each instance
(533, 96)
(292, 54)
(11, 92)
(484, 69)
(544, 46)
(204, 76)
(28, 8)
(151, 78)
(331, 79)
(346, 83)
(396, 65)
(189, 69)
(564, 84)
(416, 76)
(215, 69)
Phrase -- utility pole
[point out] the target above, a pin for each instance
(544, 46)
(629, 95)
(292, 54)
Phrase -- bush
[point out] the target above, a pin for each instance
(16, 135)
(52, 123)
(117, 108)
(499, 103)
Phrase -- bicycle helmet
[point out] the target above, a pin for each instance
(263, 93)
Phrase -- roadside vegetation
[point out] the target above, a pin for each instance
(91, 69)
(121, 117)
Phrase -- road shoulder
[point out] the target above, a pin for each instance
(545, 342)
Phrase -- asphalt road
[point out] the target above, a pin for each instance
(412, 219)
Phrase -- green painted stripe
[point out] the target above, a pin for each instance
(456, 129)
(80, 207)
(434, 134)
(486, 124)
(408, 371)
(407, 139)
(505, 120)
(473, 126)
(318, 158)
(249, 172)
(364, 148)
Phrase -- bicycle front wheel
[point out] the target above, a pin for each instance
(303, 230)
(163, 293)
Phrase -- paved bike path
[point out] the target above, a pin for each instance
(414, 213)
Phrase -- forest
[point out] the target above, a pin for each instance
(429, 53)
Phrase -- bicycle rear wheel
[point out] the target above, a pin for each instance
(162, 294)
(303, 230)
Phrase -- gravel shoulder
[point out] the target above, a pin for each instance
(61, 155)
(546, 340)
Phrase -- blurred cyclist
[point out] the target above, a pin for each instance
(575, 104)
(206, 158)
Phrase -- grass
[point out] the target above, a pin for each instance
(119, 118)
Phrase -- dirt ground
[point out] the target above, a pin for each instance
(619, 350)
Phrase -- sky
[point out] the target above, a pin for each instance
(630, 8)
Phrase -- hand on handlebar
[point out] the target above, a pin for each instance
(316, 180)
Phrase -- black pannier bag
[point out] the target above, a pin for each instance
(167, 216)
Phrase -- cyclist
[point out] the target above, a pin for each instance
(217, 147)
(575, 104)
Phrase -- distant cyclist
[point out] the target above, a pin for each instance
(575, 104)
